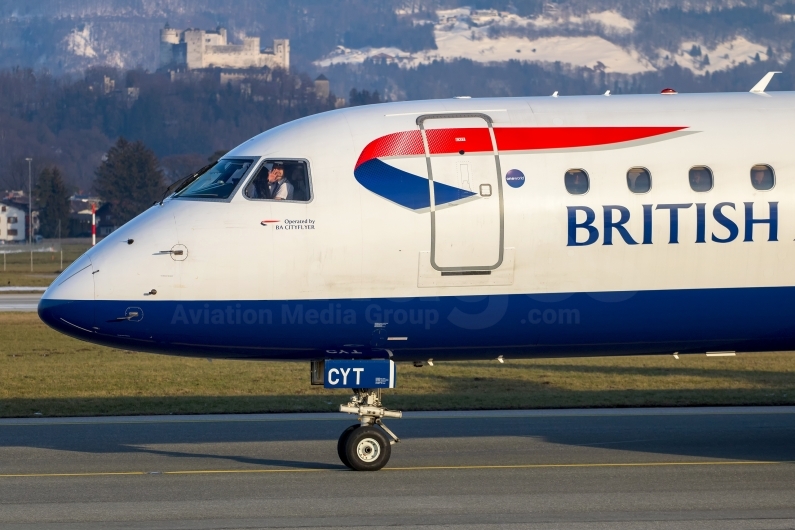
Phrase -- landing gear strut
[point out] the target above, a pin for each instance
(364, 446)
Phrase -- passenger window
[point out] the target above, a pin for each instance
(281, 180)
(762, 177)
(701, 178)
(639, 180)
(576, 181)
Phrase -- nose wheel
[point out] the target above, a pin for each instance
(342, 445)
(365, 446)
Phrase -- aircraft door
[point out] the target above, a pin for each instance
(466, 205)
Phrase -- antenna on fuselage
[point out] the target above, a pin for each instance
(555, 94)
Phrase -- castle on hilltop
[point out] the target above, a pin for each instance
(196, 48)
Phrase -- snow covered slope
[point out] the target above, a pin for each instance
(492, 36)
(66, 36)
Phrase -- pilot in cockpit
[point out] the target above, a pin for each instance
(279, 188)
(271, 184)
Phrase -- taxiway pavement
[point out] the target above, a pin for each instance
(19, 302)
(707, 468)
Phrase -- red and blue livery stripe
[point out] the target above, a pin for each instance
(412, 191)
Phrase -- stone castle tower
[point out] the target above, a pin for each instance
(197, 48)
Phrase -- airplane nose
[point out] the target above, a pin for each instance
(67, 305)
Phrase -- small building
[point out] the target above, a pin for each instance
(13, 220)
(383, 58)
(80, 214)
(108, 85)
(322, 87)
(79, 224)
(193, 49)
(106, 222)
(484, 16)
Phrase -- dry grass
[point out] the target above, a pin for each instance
(45, 372)
(46, 265)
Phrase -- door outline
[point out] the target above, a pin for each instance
(487, 119)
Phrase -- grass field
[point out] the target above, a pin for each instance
(43, 372)
(15, 271)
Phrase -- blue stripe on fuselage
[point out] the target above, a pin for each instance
(692, 320)
(405, 188)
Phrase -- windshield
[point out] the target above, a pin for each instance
(219, 181)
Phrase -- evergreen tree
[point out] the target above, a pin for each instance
(363, 98)
(130, 179)
(52, 199)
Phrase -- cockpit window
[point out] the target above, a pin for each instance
(219, 181)
(280, 180)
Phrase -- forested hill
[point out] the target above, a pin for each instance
(72, 123)
(77, 74)
(71, 35)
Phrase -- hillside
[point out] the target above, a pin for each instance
(619, 36)
(77, 74)
(608, 40)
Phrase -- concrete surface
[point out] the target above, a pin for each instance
(631, 468)
(19, 302)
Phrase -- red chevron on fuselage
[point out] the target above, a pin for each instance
(478, 140)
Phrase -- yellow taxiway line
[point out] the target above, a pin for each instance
(413, 468)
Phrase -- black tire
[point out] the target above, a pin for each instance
(342, 443)
(368, 449)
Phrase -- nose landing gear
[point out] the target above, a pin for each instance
(364, 446)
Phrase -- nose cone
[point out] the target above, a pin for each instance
(67, 305)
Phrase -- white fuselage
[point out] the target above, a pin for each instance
(361, 246)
